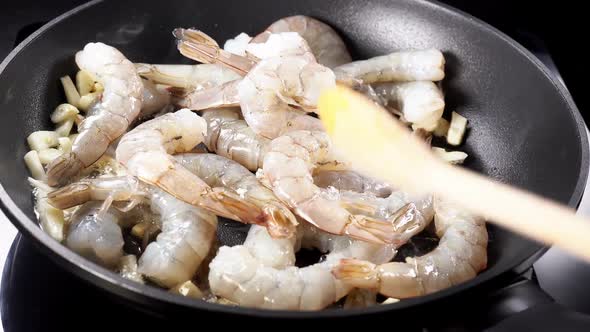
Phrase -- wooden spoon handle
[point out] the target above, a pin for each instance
(376, 144)
(522, 212)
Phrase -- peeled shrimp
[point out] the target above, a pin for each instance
(218, 171)
(280, 44)
(187, 76)
(146, 152)
(187, 236)
(421, 102)
(325, 43)
(154, 99)
(426, 65)
(275, 92)
(106, 120)
(230, 136)
(459, 256)
(271, 89)
(288, 167)
(261, 274)
(351, 181)
(187, 233)
(96, 234)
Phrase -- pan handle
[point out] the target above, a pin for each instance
(524, 306)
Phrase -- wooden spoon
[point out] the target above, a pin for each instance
(377, 144)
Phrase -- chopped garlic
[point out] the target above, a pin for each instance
(87, 100)
(128, 268)
(390, 300)
(99, 88)
(34, 165)
(84, 82)
(48, 155)
(64, 129)
(188, 289)
(139, 230)
(452, 157)
(442, 128)
(64, 112)
(51, 219)
(72, 94)
(457, 129)
(42, 140)
(65, 145)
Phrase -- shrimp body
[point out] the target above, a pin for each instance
(345, 180)
(189, 77)
(187, 233)
(325, 43)
(187, 236)
(218, 171)
(261, 274)
(275, 92)
(154, 99)
(280, 44)
(146, 152)
(230, 136)
(420, 102)
(96, 235)
(288, 167)
(459, 256)
(107, 119)
(425, 65)
(270, 91)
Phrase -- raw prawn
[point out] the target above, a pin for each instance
(275, 93)
(189, 77)
(155, 99)
(107, 119)
(420, 103)
(288, 167)
(261, 274)
(351, 181)
(188, 233)
(325, 43)
(422, 65)
(96, 234)
(218, 171)
(459, 256)
(146, 152)
(230, 136)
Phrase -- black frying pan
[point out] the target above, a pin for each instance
(525, 128)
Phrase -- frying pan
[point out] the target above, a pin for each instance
(524, 127)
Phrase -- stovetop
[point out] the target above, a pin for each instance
(36, 294)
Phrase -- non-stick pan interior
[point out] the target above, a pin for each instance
(523, 129)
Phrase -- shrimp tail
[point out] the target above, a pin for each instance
(357, 273)
(63, 168)
(372, 230)
(197, 45)
(282, 222)
(152, 73)
(225, 95)
(236, 206)
(69, 196)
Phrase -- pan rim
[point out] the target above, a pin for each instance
(115, 284)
